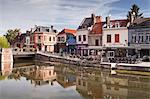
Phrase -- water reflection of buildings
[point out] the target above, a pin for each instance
(89, 84)
(126, 86)
(42, 75)
(139, 87)
(65, 76)
(115, 86)
(102, 85)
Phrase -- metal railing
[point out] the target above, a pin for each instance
(130, 60)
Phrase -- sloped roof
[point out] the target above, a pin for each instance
(122, 22)
(140, 23)
(20, 38)
(87, 22)
(97, 28)
(71, 31)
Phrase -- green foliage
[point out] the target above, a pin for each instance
(11, 34)
(3, 42)
(2, 77)
(134, 8)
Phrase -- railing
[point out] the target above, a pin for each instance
(22, 53)
(58, 55)
(131, 60)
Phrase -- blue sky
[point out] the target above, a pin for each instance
(25, 14)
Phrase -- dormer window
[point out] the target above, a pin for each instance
(111, 26)
(117, 25)
(38, 29)
(47, 30)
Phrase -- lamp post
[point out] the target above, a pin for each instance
(67, 49)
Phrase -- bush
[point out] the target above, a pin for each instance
(3, 42)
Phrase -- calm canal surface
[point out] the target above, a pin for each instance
(34, 80)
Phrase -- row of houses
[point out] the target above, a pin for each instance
(111, 38)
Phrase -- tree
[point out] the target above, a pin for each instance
(134, 9)
(11, 35)
(3, 42)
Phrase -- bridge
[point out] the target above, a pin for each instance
(17, 54)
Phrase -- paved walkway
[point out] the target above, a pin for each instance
(143, 64)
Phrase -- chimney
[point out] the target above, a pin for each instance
(35, 26)
(108, 22)
(98, 19)
(93, 18)
(52, 27)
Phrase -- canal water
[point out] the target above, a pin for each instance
(39, 80)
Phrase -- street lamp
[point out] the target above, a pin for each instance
(67, 47)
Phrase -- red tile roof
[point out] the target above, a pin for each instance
(71, 31)
(122, 22)
(97, 28)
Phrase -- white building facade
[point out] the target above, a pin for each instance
(115, 38)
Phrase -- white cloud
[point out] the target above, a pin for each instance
(25, 14)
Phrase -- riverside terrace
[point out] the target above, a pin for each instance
(56, 59)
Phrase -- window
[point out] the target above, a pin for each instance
(116, 38)
(50, 38)
(142, 39)
(79, 37)
(58, 38)
(47, 30)
(117, 25)
(84, 83)
(49, 72)
(31, 38)
(27, 41)
(146, 37)
(84, 37)
(39, 37)
(62, 39)
(44, 38)
(96, 42)
(133, 38)
(53, 38)
(38, 29)
(108, 38)
(111, 54)
(79, 82)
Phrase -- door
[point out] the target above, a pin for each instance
(46, 48)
